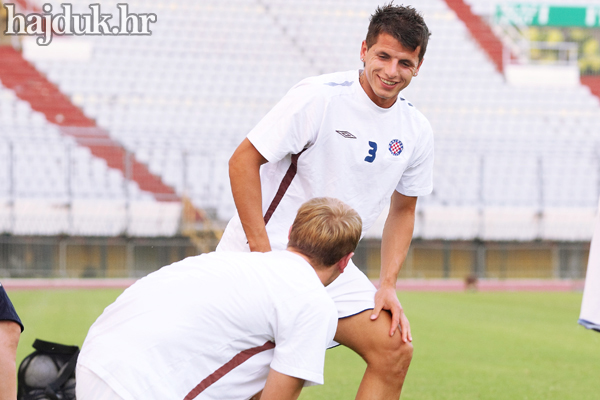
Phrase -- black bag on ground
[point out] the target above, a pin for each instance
(48, 373)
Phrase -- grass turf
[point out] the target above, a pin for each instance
(467, 345)
(62, 316)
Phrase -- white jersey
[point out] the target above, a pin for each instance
(211, 326)
(590, 305)
(327, 138)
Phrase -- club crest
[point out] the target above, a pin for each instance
(396, 147)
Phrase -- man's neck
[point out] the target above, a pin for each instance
(322, 273)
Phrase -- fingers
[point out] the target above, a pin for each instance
(395, 321)
(376, 311)
(405, 328)
(385, 300)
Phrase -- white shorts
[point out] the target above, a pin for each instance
(90, 386)
(352, 292)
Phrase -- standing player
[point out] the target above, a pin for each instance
(225, 325)
(10, 331)
(590, 305)
(349, 135)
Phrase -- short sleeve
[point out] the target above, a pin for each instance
(417, 179)
(304, 330)
(7, 310)
(291, 125)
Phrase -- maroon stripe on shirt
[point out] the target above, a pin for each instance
(283, 186)
(238, 359)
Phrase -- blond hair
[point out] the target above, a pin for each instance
(325, 230)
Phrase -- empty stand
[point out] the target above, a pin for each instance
(50, 185)
(511, 163)
(42, 96)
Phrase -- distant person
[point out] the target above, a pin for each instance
(226, 325)
(10, 331)
(352, 136)
(590, 304)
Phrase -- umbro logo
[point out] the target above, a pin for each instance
(346, 134)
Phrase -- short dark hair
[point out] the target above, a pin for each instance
(404, 23)
(325, 230)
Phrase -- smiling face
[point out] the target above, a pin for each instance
(389, 68)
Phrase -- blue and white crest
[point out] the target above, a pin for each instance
(396, 147)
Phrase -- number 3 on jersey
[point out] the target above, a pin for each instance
(371, 157)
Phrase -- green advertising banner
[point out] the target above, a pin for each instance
(545, 15)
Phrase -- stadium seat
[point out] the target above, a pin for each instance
(168, 99)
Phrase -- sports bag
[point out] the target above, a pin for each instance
(48, 373)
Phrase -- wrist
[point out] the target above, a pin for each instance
(261, 245)
(258, 240)
(262, 248)
(387, 284)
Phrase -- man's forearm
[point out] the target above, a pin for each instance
(396, 238)
(9, 339)
(244, 175)
(281, 387)
(249, 206)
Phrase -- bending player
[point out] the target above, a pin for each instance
(348, 135)
(226, 325)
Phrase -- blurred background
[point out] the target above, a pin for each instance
(114, 149)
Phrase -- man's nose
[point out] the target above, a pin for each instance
(391, 69)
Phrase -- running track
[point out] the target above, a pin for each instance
(421, 285)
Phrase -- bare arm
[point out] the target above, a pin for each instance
(395, 241)
(244, 174)
(9, 339)
(281, 387)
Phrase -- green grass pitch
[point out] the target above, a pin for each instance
(467, 345)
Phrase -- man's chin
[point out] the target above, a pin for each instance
(387, 96)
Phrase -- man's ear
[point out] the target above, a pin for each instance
(419, 66)
(343, 263)
(363, 50)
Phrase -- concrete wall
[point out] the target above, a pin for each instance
(120, 257)
(495, 260)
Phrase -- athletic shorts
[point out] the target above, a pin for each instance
(352, 292)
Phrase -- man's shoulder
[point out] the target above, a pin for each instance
(307, 296)
(293, 268)
(335, 79)
(411, 111)
(406, 105)
(237, 257)
(329, 84)
(281, 259)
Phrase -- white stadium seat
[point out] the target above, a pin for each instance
(182, 99)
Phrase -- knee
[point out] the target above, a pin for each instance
(392, 356)
(399, 353)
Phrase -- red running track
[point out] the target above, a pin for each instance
(417, 285)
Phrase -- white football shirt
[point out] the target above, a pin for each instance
(590, 304)
(349, 148)
(204, 328)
